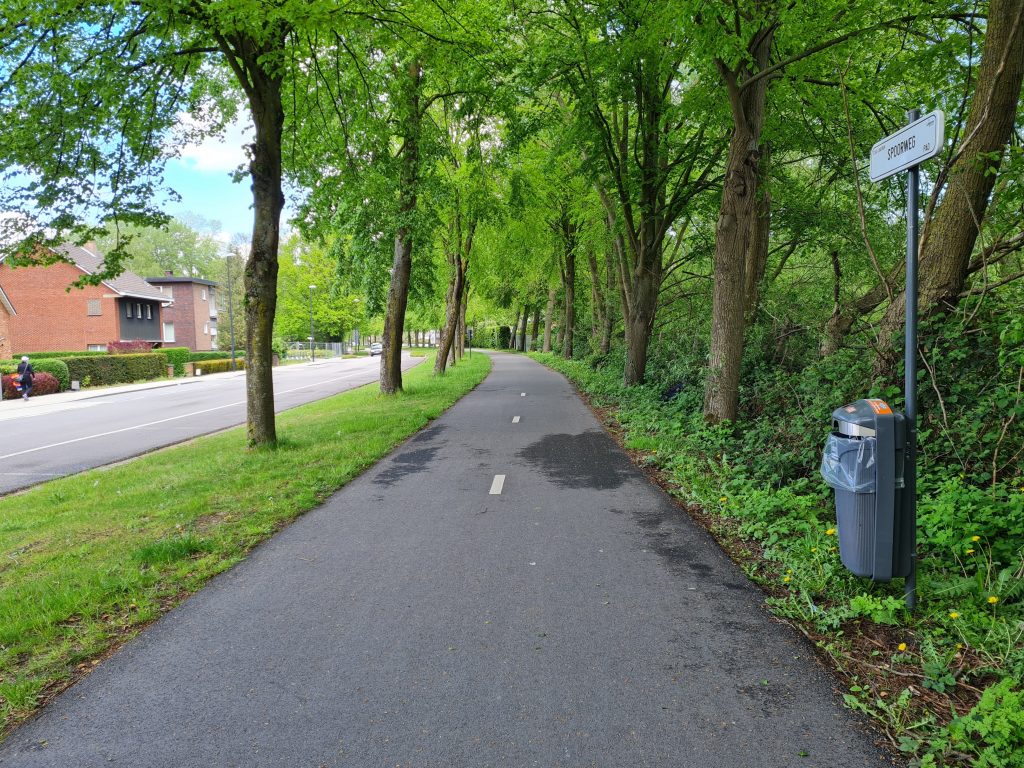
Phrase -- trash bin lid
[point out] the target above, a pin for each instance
(859, 419)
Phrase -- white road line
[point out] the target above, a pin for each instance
(162, 421)
(496, 484)
(515, 419)
(522, 394)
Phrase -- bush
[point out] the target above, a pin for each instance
(42, 384)
(196, 357)
(134, 347)
(503, 338)
(176, 356)
(48, 355)
(57, 368)
(221, 366)
(117, 369)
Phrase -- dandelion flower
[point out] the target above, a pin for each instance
(787, 580)
(954, 615)
(992, 599)
(814, 549)
(975, 538)
(724, 499)
(901, 647)
(830, 532)
(970, 551)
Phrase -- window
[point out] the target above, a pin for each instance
(149, 311)
(169, 291)
(96, 347)
(128, 309)
(206, 327)
(138, 310)
(93, 307)
(168, 331)
(202, 294)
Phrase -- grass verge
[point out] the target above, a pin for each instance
(87, 561)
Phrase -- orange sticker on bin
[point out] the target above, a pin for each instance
(879, 406)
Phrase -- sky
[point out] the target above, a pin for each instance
(202, 177)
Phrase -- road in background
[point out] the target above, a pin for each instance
(44, 439)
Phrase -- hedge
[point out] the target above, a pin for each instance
(117, 369)
(221, 366)
(176, 356)
(218, 355)
(42, 384)
(57, 368)
(48, 355)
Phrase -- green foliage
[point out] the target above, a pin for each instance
(55, 367)
(201, 356)
(176, 356)
(221, 366)
(991, 734)
(117, 369)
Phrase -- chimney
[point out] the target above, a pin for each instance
(169, 273)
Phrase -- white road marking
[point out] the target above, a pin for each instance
(169, 418)
(515, 419)
(522, 394)
(496, 485)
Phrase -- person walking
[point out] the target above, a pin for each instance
(26, 373)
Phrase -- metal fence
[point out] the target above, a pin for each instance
(301, 350)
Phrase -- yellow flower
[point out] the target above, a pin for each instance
(954, 615)
(901, 647)
(789, 570)
(814, 549)
(992, 599)
(787, 580)
(724, 499)
(830, 532)
(975, 538)
(970, 551)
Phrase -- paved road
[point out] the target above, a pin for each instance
(47, 438)
(422, 618)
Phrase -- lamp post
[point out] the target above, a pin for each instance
(312, 349)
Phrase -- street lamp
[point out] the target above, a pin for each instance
(312, 349)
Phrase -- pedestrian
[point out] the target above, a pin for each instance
(25, 374)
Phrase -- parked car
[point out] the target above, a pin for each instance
(376, 348)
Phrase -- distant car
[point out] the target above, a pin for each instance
(376, 349)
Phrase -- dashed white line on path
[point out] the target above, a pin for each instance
(515, 419)
(522, 394)
(496, 484)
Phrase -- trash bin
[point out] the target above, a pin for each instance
(863, 463)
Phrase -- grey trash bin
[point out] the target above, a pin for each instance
(863, 463)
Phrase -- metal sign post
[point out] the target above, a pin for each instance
(921, 139)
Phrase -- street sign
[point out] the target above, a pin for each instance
(909, 146)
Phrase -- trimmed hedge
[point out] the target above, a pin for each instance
(176, 356)
(117, 369)
(42, 384)
(56, 368)
(221, 366)
(196, 357)
(48, 355)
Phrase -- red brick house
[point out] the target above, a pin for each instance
(39, 314)
(191, 321)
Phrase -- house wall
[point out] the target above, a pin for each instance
(139, 328)
(5, 335)
(190, 314)
(50, 317)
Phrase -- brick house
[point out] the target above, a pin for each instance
(39, 314)
(191, 321)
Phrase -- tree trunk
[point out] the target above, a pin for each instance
(401, 267)
(949, 237)
(757, 250)
(609, 291)
(452, 307)
(522, 329)
(536, 327)
(732, 235)
(568, 283)
(460, 339)
(263, 90)
(597, 299)
(549, 319)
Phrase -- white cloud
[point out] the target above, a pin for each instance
(216, 154)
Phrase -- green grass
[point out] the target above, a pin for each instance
(86, 561)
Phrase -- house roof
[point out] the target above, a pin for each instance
(6, 303)
(165, 279)
(125, 284)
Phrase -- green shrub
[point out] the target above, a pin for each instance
(67, 353)
(117, 369)
(991, 735)
(196, 357)
(221, 366)
(56, 368)
(177, 356)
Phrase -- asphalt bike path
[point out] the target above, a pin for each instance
(506, 589)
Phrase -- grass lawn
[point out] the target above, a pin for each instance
(87, 561)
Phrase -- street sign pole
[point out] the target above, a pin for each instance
(920, 139)
(910, 374)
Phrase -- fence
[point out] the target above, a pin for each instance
(300, 350)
